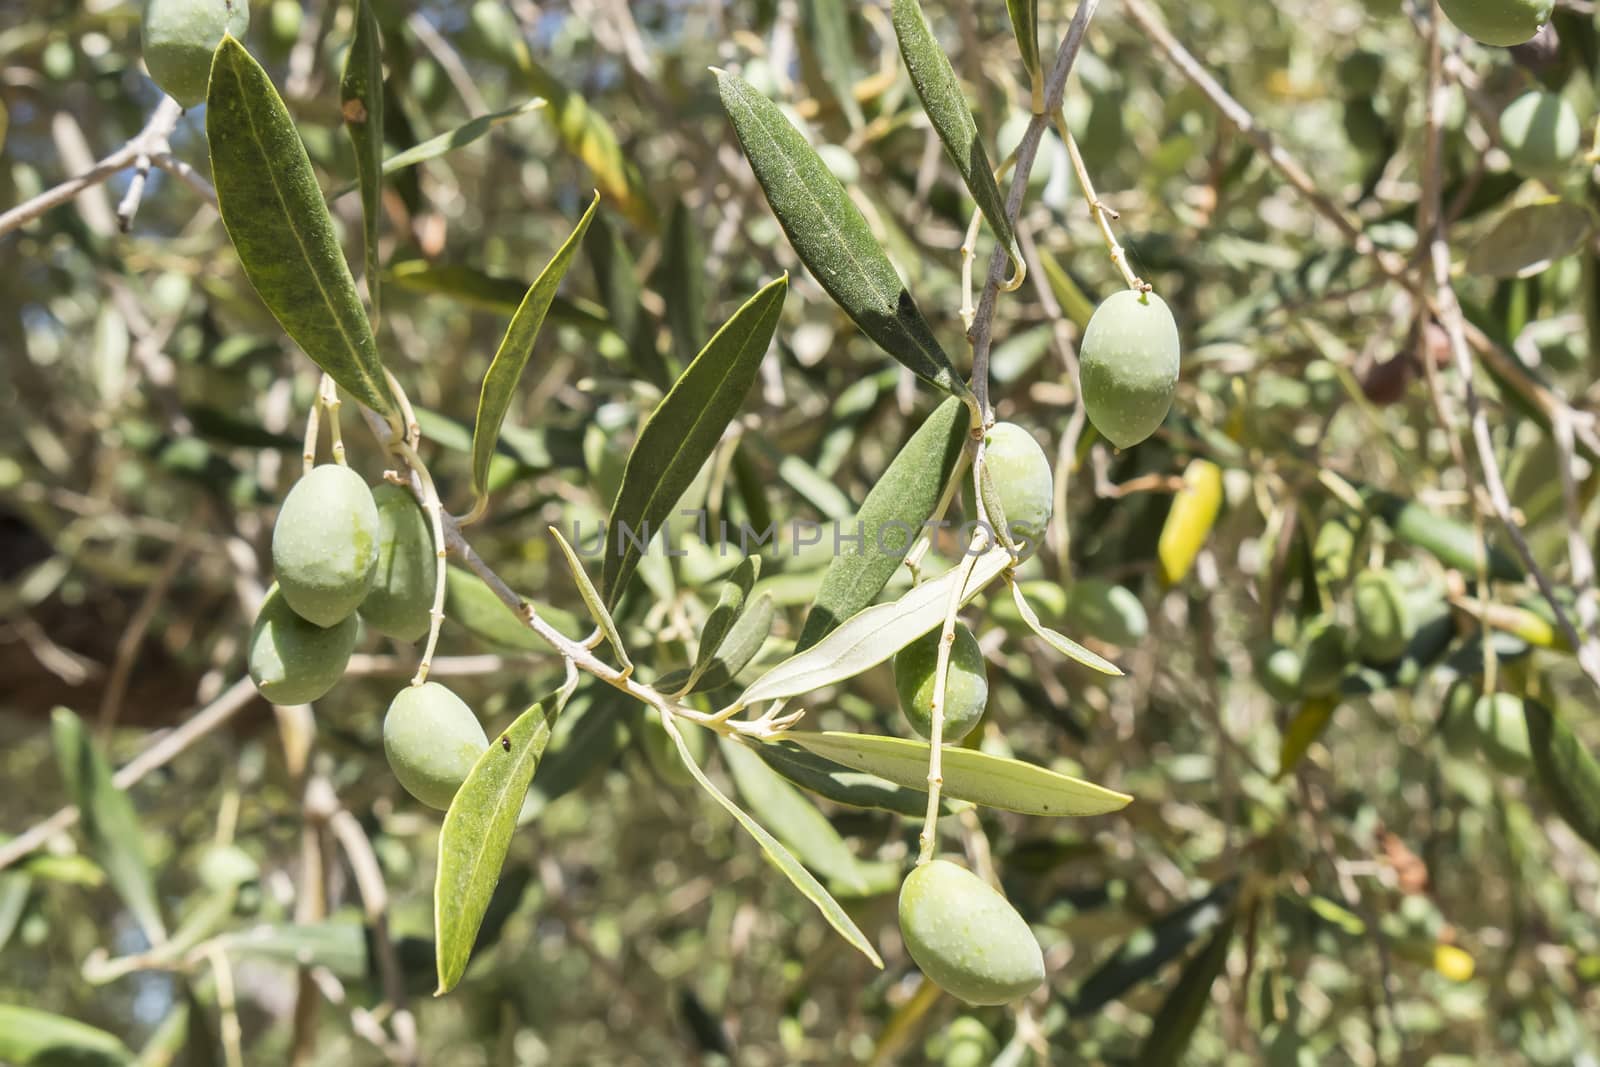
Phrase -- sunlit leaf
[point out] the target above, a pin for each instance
(30, 1037)
(993, 781)
(476, 835)
(591, 599)
(1060, 641)
(1528, 239)
(361, 96)
(856, 789)
(280, 226)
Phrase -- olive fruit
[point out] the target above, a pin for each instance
(1498, 22)
(432, 739)
(1540, 132)
(1128, 365)
(966, 689)
(325, 544)
(179, 38)
(1383, 628)
(401, 597)
(1501, 723)
(1108, 611)
(1360, 72)
(967, 938)
(293, 661)
(1020, 473)
(1455, 716)
(1279, 673)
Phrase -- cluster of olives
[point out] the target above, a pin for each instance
(346, 554)
(179, 37)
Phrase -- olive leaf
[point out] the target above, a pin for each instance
(1528, 239)
(361, 96)
(873, 635)
(779, 856)
(730, 607)
(992, 781)
(1454, 543)
(1568, 774)
(1180, 1014)
(473, 606)
(733, 655)
(587, 737)
(1025, 25)
(274, 213)
(516, 348)
(904, 498)
(491, 292)
(683, 430)
(793, 819)
(946, 106)
(680, 279)
(1153, 946)
(30, 1036)
(856, 789)
(1308, 724)
(592, 601)
(459, 137)
(827, 26)
(831, 236)
(340, 945)
(15, 887)
(616, 278)
(110, 825)
(476, 835)
(1060, 641)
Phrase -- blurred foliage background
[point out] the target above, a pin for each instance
(1335, 878)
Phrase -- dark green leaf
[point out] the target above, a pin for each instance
(591, 599)
(280, 226)
(830, 235)
(1025, 24)
(14, 889)
(902, 500)
(337, 944)
(1185, 1006)
(729, 609)
(1151, 948)
(993, 781)
(1530, 238)
(734, 654)
(680, 435)
(1567, 772)
(361, 92)
(827, 25)
(516, 348)
(680, 279)
(779, 856)
(940, 91)
(476, 835)
(110, 825)
(29, 1037)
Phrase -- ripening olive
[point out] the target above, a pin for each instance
(1322, 657)
(325, 544)
(1383, 626)
(1540, 132)
(432, 739)
(179, 38)
(1501, 723)
(966, 937)
(1020, 473)
(1128, 365)
(402, 586)
(966, 688)
(293, 661)
(1498, 22)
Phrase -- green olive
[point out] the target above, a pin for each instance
(293, 661)
(1498, 22)
(1360, 73)
(966, 687)
(1108, 611)
(1128, 365)
(1322, 658)
(966, 937)
(432, 739)
(1383, 626)
(401, 597)
(1541, 133)
(1279, 672)
(1020, 474)
(325, 544)
(1502, 727)
(969, 1043)
(179, 38)
(1455, 716)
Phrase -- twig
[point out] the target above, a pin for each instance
(1103, 215)
(980, 334)
(149, 142)
(364, 864)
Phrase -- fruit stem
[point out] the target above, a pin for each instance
(406, 447)
(941, 677)
(328, 398)
(1102, 214)
(308, 454)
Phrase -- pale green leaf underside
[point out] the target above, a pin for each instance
(831, 236)
(680, 435)
(279, 224)
(993, 781)
(591, 598)
(476, 835)
(946, 105)
(869, 638)
(852, 788)
(779, 856)
(516, 349)
(1025, 24)
(793, 819)
(902, 500)
(1060, 641)
(730, 608)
